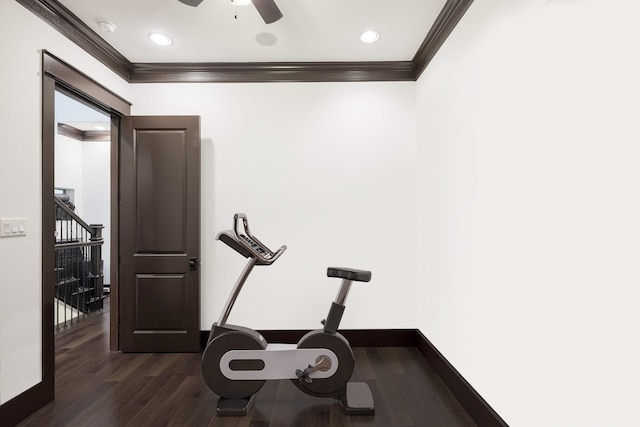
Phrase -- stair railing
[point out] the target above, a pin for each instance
(79, 267)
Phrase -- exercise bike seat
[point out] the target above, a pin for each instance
(349, 274)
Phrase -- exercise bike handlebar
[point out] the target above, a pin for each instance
(246, 244)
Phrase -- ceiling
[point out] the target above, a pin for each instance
(311, 30)
(79, 121)
(218, 41)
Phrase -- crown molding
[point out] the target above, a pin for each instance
(272, 72)
(69, 131)
(62, 19)
(446, 21)
(69, 25)
(83, 135)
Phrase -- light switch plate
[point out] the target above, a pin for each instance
(13, 227)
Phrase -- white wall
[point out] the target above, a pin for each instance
(328, 170)
(68, 166)
(96, 201)
(530, 181)
(20, 188)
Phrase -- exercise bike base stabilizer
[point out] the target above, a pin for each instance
(238, 360)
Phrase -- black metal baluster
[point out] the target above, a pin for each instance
(78, 266)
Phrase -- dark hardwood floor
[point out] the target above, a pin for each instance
(95, 387)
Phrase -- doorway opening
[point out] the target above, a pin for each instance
(82, 212)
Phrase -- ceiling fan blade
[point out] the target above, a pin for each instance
(193, 3)
(267, 9)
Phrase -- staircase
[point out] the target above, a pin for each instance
(79, 267)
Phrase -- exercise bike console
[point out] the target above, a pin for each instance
(246, 244)
(237, 360)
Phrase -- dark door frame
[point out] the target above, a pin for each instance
(69, 80)
(58, 75)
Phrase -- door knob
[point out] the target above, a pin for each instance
(193, 263)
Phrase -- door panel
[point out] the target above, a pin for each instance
(160, 197)
(170, 312)
(159, 234)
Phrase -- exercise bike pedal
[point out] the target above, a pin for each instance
(357, 399)
(234, 407)
(303, 375)
(323, 363)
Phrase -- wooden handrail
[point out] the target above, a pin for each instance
(62, 205)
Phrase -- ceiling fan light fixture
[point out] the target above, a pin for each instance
(268, 10)
(369, 36)
(160, 39)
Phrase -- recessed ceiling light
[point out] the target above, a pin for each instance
(160, 39)
(106, 26)
(369, 36)
(98, 127)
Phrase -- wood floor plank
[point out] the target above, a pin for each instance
(95, 387)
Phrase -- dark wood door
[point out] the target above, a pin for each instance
(159, 284)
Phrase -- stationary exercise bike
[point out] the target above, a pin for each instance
(238, 360)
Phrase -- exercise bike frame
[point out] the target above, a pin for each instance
(237, 360)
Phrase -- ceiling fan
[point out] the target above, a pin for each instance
(266, 8)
